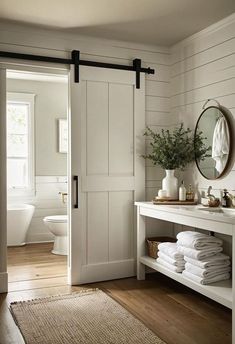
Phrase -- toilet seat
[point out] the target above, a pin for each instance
(56, 218)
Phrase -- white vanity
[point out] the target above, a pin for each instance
(218, 220)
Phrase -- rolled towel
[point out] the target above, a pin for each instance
(209, 272)
(218, 259)
(169, 266)
(198, 241)
(205, 280)
(199, 254)
(177, 262)
(170, 249)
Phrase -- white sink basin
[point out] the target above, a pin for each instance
(224, 211)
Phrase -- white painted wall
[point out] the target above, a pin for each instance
(51, 100)
(198, 68)
(203, 66)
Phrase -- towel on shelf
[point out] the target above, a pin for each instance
(206, 280)
(199, 254)
(220, 144)
(170, 249)
(209, 272)
(217, 260)
(177, 262)
(169, 266)
(198, 241)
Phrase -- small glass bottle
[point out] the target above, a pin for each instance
(226, 200)
(190, 194)
(182, 192)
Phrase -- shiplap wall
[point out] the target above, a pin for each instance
(198, 68)
(17, 38)
(203, 67)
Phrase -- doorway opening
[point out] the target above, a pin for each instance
(37, 179)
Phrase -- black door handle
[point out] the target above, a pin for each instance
(75, 178)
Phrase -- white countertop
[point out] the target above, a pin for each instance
(225, 215)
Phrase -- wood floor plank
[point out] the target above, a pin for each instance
(175, 313)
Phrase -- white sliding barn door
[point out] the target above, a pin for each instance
(107, 121)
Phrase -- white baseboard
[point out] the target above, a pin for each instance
(39, 237)
(39, 242)
(3, 282)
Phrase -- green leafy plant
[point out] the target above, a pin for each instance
(176, 149)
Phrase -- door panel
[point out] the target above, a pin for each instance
(107, 122)
(121, 157)
(97, 127)
(97, 227)
(121, 225)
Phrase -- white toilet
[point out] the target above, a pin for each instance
(57, 225)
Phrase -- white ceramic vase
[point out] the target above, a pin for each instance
(170, 184)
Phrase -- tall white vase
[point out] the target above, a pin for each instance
(170, 184)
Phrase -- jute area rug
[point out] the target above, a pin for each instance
(87, 317)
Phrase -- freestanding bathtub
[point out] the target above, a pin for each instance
(19, 217)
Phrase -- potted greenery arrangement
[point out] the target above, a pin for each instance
(175, 150)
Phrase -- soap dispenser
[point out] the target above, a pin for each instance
(226, 200)
(190, 194)
(182, 192)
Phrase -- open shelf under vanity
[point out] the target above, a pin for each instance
(221, 292)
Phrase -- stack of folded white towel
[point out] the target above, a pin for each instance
(169, 257)
(205, 263)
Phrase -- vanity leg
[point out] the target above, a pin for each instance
(141, 232)
(233, 287)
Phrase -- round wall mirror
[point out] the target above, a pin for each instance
(214, 123)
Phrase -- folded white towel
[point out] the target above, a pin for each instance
(205, 280)
(209, 272)
(198, 241)
(199, 254)
(169, 266)
(217, 260)
(177, 262)
(170, 249)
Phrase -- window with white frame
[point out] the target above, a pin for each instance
(20, 142)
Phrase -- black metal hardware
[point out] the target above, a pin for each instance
(75, 59)
(137, 67)
(75, 178)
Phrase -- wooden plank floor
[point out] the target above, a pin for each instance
(175, 313)
(34, 266)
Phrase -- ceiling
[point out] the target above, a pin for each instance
(158, 22)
